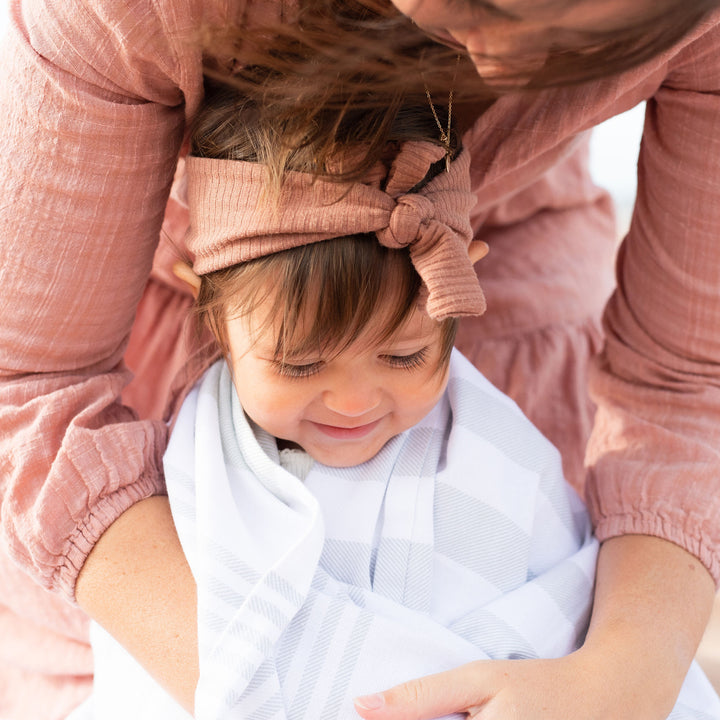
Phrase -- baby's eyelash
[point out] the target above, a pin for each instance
(297, 371)
(408, 362)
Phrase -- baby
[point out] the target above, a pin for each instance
(358, 505)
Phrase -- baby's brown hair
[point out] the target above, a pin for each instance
(321, 296)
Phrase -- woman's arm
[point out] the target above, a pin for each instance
(137, 584)
(93, 97)
(651, 606)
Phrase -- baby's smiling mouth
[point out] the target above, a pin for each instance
(346, 433)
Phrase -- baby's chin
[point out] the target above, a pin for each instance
(345, 457)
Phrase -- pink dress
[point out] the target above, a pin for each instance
(94, 99)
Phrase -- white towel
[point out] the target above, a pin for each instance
(460, 540)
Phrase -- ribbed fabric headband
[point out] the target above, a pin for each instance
(231, 220)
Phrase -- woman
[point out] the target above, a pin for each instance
(97, 98)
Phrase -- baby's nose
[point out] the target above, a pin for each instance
(352, 398)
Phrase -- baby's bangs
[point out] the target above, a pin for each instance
(332, 292)
(226, 294)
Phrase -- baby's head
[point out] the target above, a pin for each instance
(327, 333)
(329, 346)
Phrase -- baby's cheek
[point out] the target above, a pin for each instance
(429, 393)
(276, 410)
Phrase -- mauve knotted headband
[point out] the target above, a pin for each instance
(232, 221)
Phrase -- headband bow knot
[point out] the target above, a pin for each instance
(231, 220)
(407, 219)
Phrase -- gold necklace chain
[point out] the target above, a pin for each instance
(445, 134)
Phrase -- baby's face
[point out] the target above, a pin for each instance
(342, 408)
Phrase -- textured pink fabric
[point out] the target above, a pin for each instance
(94, 97)
(232, 220)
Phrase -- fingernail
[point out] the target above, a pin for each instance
(370, 702)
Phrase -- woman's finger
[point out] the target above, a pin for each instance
(184, 272)
(477, 250)
(433, 696)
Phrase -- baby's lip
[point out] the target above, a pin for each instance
(343, 432)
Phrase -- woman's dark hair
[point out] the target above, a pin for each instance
(354, 63)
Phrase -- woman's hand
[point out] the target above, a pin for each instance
(652, 602)
(570, 687)
(485, 689)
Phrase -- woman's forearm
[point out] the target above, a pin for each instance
(137, 584)
(652, 603)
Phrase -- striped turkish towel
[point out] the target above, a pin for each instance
(459, 541)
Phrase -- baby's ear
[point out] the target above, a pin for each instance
(477, 250)
(183, 271)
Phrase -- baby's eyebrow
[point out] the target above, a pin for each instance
(290, 357)
(412, 341)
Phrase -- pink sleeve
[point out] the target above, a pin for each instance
(655, 451)
(93, 102)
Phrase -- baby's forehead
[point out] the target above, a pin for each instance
(416, 330)
(417, 325)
